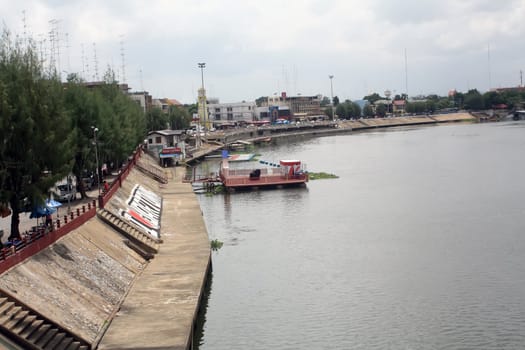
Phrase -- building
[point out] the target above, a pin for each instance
(399, 107)
(309, 106)
(168, 145)
(224, 114)
(143, 98)
(164, 104)
(293, 107)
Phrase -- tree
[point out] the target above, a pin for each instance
(36, 130)
(381, 110)
(473, 100)
(179, 118)
(368, 111)
(85, 115)
(325, 101)
(156, 120)
(373, 98)
(341, 112)
(336, 101)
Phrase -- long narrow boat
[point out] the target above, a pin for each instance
(287, 173)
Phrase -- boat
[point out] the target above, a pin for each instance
(286, 173)
(262, 140)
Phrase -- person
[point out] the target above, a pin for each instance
(49, 221)
(106, 186)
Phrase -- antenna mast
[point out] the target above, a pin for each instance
(95, 62)
(122, 55)
(406, 73)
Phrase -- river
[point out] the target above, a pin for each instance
(419, 244)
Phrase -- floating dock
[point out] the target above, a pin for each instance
(289, 173)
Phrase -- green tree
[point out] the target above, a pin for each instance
(381, 110)
(36, 130)
(156, 120)
(336, 101)
(325, 101)
(373, 97)
(368, 111)
(473, 100)
(179, 118)
(341, 111)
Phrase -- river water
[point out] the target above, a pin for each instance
(419, 244)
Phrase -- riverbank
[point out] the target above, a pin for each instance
(220, 139)
(96, 286)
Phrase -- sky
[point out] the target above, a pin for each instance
(255, 48)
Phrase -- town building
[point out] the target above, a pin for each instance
(399, 107)
(143, 99)
(168, 145)
(228, 114)
(164, 104)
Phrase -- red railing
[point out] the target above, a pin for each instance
(42, 237)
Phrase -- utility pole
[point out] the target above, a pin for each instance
(95, 130)
(332, 96)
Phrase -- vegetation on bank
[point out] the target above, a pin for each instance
(321, 175)
(471, 100)
(48, 130)
(216, 244)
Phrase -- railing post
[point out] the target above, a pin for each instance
(65, 219)
(100, 202)
(83, 209)
(58, 224)
(78, 212)
(71, 215)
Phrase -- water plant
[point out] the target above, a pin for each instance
(216, 244)
(321, 175)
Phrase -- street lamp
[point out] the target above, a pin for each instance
(332, 95)
(95, 130)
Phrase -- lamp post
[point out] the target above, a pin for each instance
(332, 95)
(95, 130)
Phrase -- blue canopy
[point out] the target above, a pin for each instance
(51, 203)
(38, 212)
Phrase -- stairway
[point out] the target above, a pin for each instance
(31, 330)
(143, 243)
(153, 172)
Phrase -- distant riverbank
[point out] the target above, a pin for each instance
(219, 139)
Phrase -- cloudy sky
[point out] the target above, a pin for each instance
(256, 48)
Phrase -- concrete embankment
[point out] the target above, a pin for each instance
(91, 283)
(161, 307)
(330, 127)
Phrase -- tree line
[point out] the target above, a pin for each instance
(47, 128)
(472, 100)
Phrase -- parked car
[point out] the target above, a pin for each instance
(64, 193)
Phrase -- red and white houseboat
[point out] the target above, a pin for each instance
(286, 173)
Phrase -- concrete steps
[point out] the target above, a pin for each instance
(152, 172)
(31, 330)
(143, 243)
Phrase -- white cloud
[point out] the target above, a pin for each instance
(255, 48)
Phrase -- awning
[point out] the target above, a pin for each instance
(38, 212)
(166, 155)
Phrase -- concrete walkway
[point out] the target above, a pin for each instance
(162, 305)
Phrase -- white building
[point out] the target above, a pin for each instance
(231, 113)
